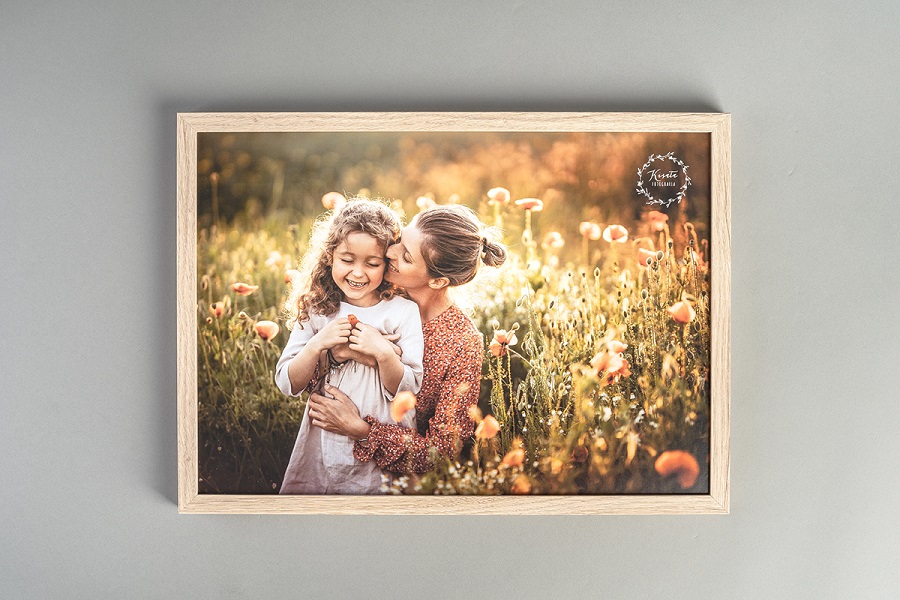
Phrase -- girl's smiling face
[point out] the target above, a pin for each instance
(406, 265)
(357, 268)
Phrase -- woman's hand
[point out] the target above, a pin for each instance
(337, 414)
(334, 333)
(367, 340)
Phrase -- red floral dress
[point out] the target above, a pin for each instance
(453, 355)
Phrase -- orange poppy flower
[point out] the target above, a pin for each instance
(611, 364)
(645, 255)
(532, 204)
(681, 464)
(502, 339)
(498, 195)
(244, 289)
(553, 241)
(217, 309)
(402, 404)
(475, 413)
(514, 458)
(615, 233)
(580, 454)
(682, 312)
(616, 346)
(353, 320)
(590, 230)
(488, 428)
(521, 485)
(266, 329)
(657, 219)
(333, 200)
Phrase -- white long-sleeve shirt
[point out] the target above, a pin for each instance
(322, 462)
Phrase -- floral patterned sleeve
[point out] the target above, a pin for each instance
(402, 450)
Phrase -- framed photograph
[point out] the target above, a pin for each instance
(454, 313)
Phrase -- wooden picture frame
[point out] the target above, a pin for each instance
(715, 125)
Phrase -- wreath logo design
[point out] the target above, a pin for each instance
(655, 178)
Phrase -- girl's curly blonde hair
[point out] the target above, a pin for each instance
(316, 291)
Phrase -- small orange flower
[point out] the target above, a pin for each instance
(402, 404)
(681, 464)
(266, 329)
(475, 413)
(333, 200)
(506, 337)
(217, 309)
(580, 454)
(498, 195)
(292, 276)
(657, 219)
(514, 458)
(590, 230)
(521, 485)
(488, 428)
(616, 346)
(615, 233)
(502, 339)
(532, 204)
(244, 289)
(645, 255)
(553, 241)
(611, 364)
(682, 312)
(353, 320)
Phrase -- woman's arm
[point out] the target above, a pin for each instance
(402, 450)
(337, 414)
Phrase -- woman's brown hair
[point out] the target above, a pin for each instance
(455, 242)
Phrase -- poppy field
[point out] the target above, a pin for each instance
(596, 329)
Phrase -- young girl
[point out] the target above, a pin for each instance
(346, 302)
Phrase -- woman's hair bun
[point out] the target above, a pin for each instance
(494, 254)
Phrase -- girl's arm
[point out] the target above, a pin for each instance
(300, 359)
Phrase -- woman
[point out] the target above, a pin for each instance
(442, 248)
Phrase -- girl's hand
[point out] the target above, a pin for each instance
(337, 415)
(334, 333)
(368, 341)
(342, 352)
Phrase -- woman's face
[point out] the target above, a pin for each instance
(406, 267)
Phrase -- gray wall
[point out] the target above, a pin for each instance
(88, 97)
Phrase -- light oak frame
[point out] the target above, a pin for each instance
(718, 125)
